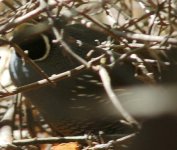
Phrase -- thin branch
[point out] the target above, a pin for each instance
(114, 99)
(8, 4)
(128, 35)
(6, 130)
(26, 17)
(100, 25)
(112, 144)
(32, 63)
(81, 139)
(145, 37)
(44, 82)
(59, 37)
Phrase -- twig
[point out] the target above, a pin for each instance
(112, 144)
(59, 37)
(8, 4)
(6, 130)
(100, 25)
(28, 60)
(26, 17)
(133, 36)
(44, 82)
(32, 63)
(135, 21)
(114, 99)
(81, 139)
(145, 37)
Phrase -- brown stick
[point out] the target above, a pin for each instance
(6, 130)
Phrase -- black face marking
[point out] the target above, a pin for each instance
(36, 48)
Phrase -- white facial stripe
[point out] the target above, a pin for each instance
(48, 48)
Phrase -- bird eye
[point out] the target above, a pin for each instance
(37, 48)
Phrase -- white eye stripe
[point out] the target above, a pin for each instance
(48, 48)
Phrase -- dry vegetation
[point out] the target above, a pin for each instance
(145, 34)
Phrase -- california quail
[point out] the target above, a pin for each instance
(77, 104)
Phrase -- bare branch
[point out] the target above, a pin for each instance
(44, 82)
(114, 99)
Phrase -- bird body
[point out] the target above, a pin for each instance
(77, 104)
(74, 98)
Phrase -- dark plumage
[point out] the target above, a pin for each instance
(77, 104)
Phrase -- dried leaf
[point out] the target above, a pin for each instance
(67, 146)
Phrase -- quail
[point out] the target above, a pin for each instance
(77, 104)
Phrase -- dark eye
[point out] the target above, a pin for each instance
(37, 48)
